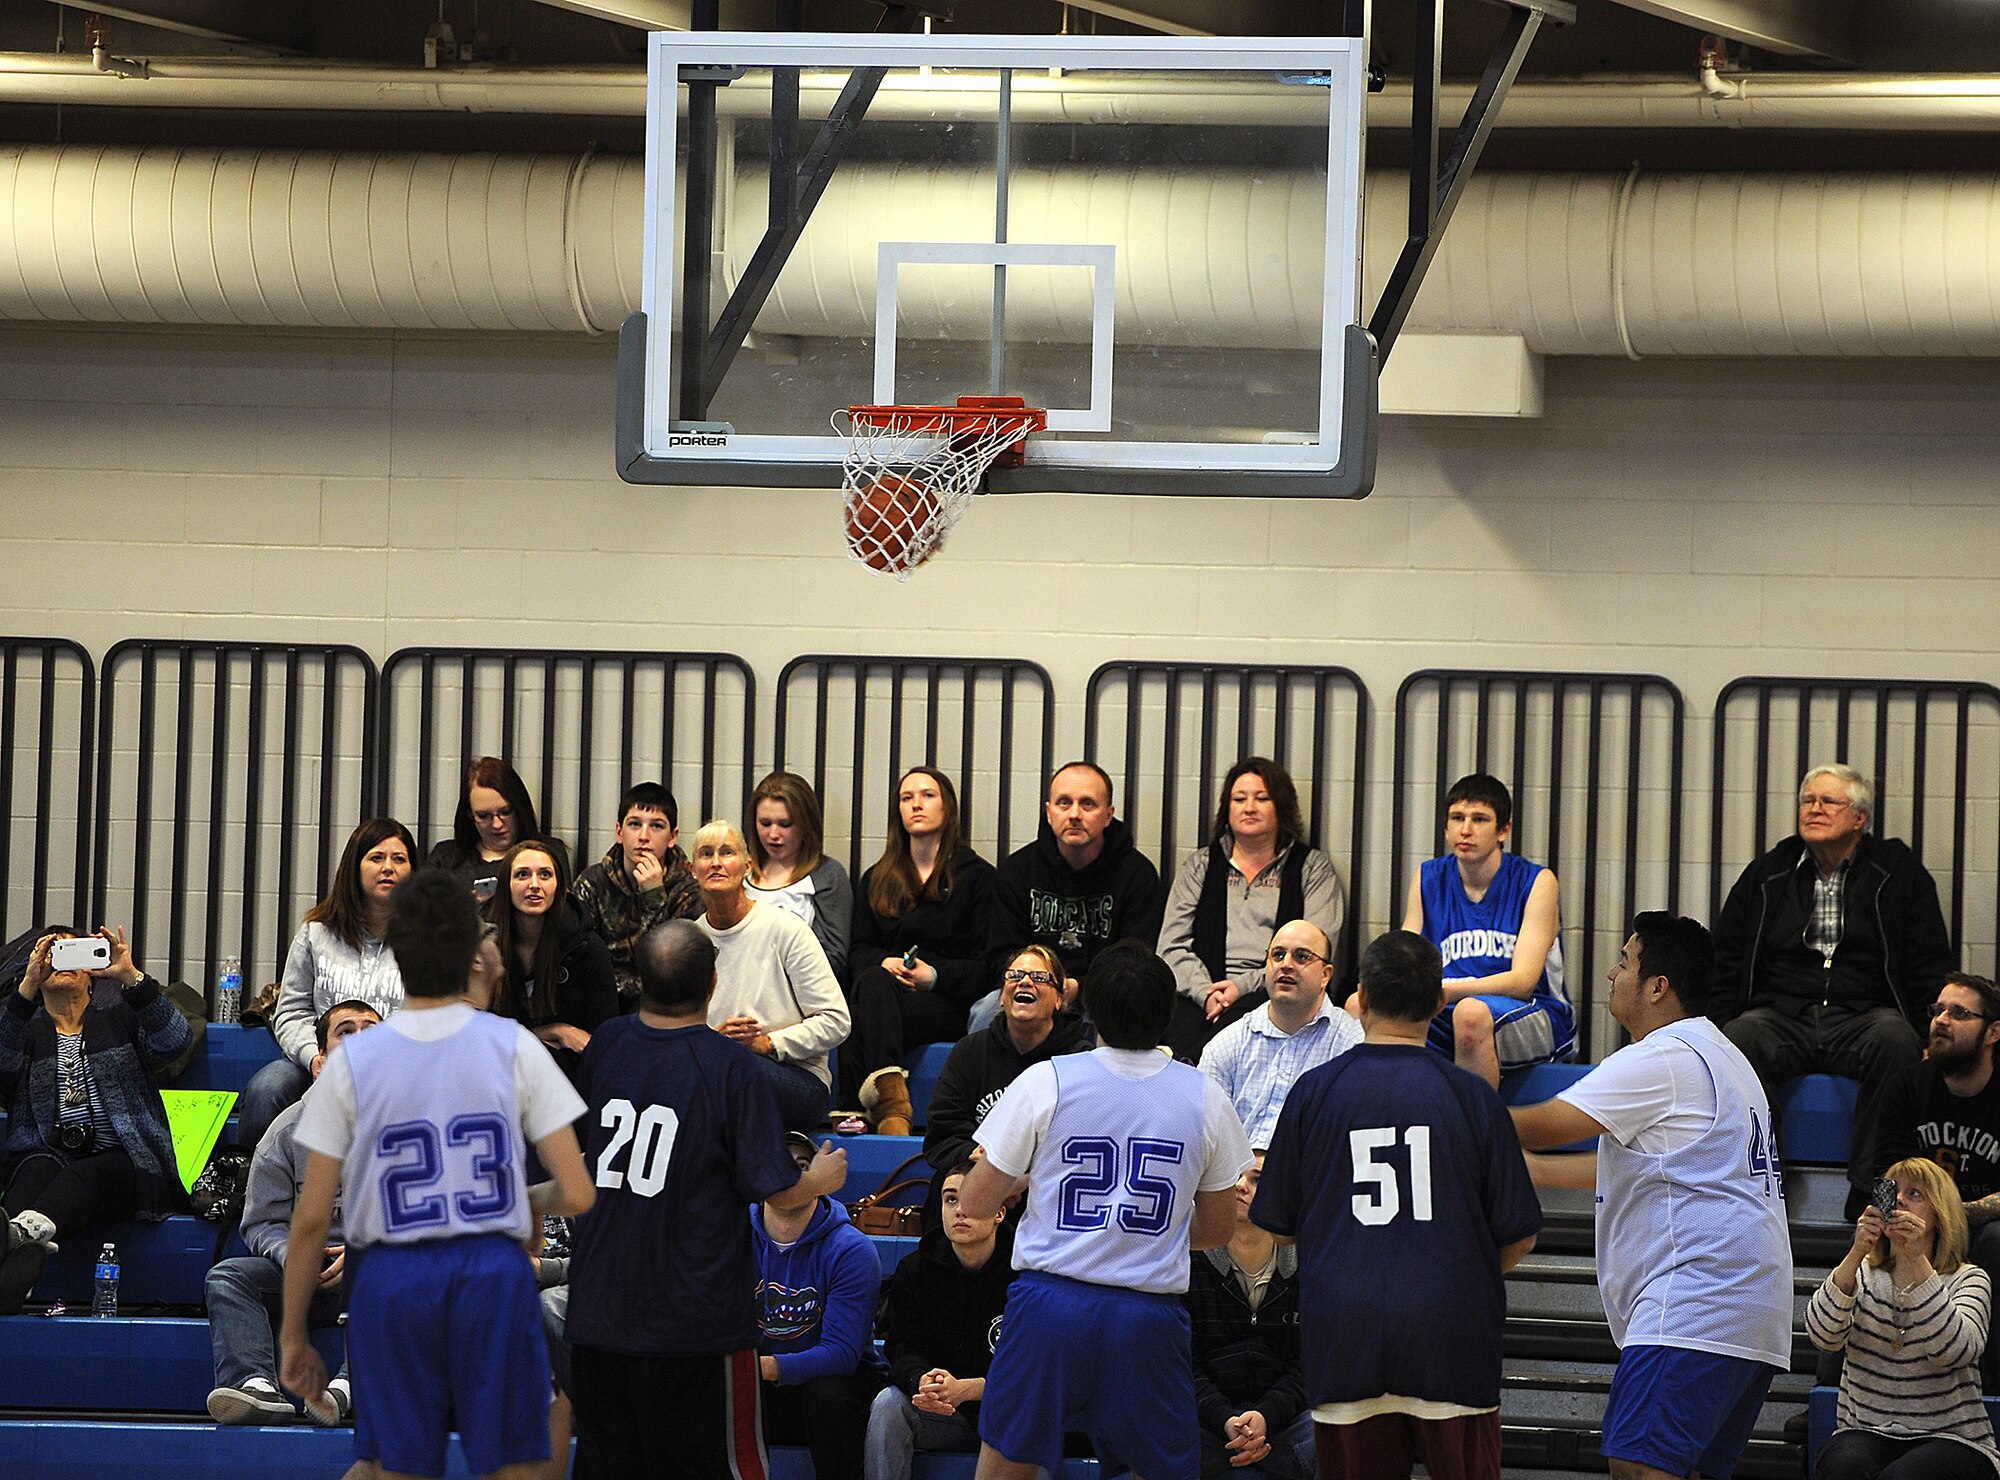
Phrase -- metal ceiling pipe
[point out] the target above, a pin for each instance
(1575, 264)
(311, 238)
(1882, 103)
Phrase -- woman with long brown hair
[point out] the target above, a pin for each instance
(338, 955)
(558, 977)
(917, 961)
(789, 867)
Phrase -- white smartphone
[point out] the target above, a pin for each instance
(80, 953)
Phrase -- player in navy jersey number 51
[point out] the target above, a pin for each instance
(1130, 1160)
(425, 1124)
(1392, 1159)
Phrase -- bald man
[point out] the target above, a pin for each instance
(1258, 1058)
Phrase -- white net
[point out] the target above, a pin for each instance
(910, 473)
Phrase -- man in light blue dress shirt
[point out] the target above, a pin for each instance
(1258, 1058)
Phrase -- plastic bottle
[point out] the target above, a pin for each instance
(229, 991)
(105, 1301)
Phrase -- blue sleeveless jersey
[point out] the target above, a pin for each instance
(1478, 939)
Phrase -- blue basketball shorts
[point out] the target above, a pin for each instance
(1526, 1030)
(443, 1335)
(1115, 1364)
(1681, 1410)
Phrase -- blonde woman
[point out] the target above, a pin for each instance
(774, 992)
(1911, 1315)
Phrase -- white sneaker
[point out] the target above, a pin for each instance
(334, 1406)
(257, 1401)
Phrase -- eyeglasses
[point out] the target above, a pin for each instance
(1824, 804)
(1956, 1013)
(498, 814)
(1039, 978)
(1300, 956)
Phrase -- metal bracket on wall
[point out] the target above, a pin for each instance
(1435, 187)
(707, 351)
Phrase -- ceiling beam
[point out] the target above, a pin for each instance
(248, 23)
(1800, 28)
(1198, 17)
(668, 15)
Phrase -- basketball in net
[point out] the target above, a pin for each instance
(911, 471)
(891, 522)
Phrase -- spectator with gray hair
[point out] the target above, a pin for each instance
(1830, 948)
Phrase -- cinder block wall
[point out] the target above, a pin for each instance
(1699, 520)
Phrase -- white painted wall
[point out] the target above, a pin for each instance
(1701, 520)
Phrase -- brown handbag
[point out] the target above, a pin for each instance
(874, 1214)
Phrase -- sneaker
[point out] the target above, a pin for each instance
(257, 1401)
(335, 1406)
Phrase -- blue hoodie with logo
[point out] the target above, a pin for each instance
(816, 1298)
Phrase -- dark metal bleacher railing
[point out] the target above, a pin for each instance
(1169, 732)
(1527, 728)
(268, 755)
(1903, 735)
(965, 716)
(677, 717)
(48, 698)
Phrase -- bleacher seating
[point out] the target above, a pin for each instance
(1820, 1410)
(1816, 1119)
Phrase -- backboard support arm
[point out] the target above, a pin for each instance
(708, 352)
(1436, 185)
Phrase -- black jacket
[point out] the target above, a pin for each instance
(978, 1068)
(1889, 893)
(1038, 897)
(949, 933)
(1244, 1360)
(938, 1313)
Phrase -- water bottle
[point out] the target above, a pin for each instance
(105, 1301)
(229, 991)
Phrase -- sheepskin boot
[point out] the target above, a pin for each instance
(885, 1095)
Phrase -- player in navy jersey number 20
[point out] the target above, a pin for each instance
(1400, 1176)
(425, 1124)
(684, 1134)
(1130, 1160)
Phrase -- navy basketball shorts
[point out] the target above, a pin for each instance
(446, 1335)
(1115, 1364)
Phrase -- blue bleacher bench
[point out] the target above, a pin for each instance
(58, 1449)
(228, 1055)
(1823, 1404)
(157, 1364)
(1544, 1082)
(1816, 1119)
(923, 1071)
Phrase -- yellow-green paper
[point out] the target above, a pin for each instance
(195, 1118)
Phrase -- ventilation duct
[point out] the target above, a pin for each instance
(1760, 265)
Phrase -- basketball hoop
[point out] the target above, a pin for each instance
(911, 471)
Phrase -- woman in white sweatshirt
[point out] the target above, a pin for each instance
(774, 992)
